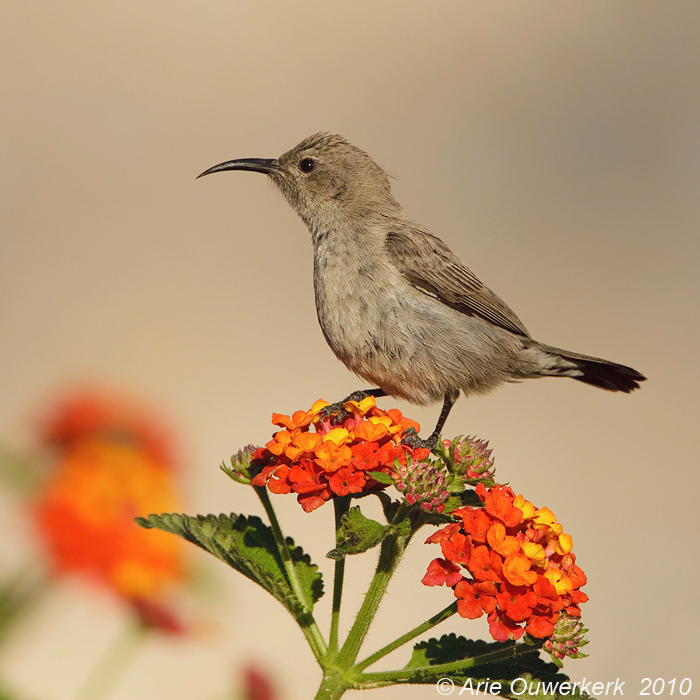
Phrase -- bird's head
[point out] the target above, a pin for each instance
(325, 179)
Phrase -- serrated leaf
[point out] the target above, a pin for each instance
(247, 545)
(358, 534)
(525, 675)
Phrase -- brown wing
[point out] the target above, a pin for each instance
(428, 264)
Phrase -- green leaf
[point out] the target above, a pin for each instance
(453, 502)
(524, 675)
(455, 483)
(381, 477)
(247, 545)
(358, 534)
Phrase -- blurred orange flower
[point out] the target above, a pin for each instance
(106, 414)
(111, 463)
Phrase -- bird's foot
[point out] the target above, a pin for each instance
(411, 438)
(338, 409)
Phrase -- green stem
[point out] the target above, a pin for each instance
(332, 686)
(341, 506)
(392, 550)
(412, 634)
(378, 680)
(113, 663)
(306, 621)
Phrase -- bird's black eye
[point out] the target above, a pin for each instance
(307, 165)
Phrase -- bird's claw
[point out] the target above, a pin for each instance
(333, 409)
(337, 408)
(410, 438)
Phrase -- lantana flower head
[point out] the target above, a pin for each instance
(513, 563)
(107, 468)
(320, 456)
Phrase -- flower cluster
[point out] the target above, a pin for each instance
(320, 456)
(511, 561)
(108, 467)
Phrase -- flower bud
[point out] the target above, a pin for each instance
(470, 457)
(566, 639)
(422, 483)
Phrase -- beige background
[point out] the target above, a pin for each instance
(554, 146)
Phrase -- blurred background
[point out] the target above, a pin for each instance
(555, 147)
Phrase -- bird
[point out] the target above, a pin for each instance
(395, 304)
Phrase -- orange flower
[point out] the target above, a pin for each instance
(498, 503)
(516, 569)
(502, 544)
(102, 479)
(321, 457)
(510, 561)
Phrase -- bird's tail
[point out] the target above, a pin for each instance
(591, 370)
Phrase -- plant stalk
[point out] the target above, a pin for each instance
(306, 622)
(341, 506)
(390, 554)
(411, 634)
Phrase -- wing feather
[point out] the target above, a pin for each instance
(428, 264)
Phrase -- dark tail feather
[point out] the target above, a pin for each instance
(594, 370)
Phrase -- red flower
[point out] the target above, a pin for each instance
(502, 628)
(517, 602)
(441, 572)
(475, 599)
(346, 481)
(456, 547)
(541, 626)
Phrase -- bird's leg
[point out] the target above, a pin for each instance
(411, 438)
(337, 407)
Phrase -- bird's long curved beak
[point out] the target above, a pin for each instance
(257, 165)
